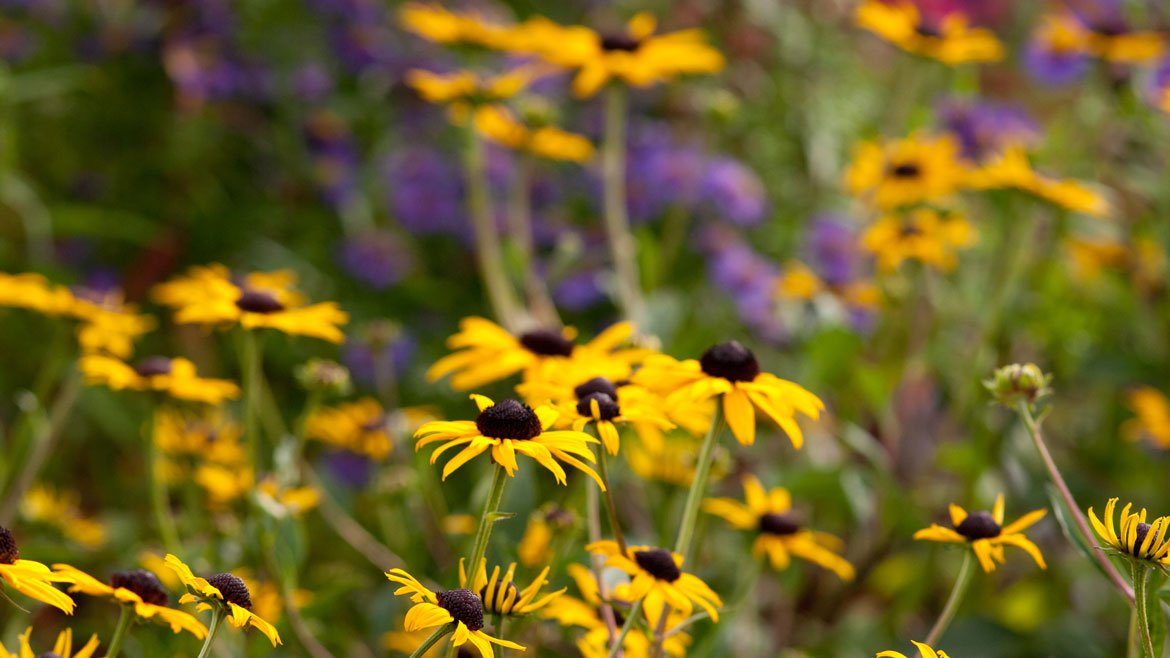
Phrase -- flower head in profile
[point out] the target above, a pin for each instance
(461, 607)
(1152, 416)
(600, 403)
(175, 377)
(1012, 170)
(360, 427)
(657, 579)
(732, 371)
(506, 428)
(499, 592)
(926, 235)
(986, 534)
(463, 91)
(923, 651)
(139, 589)
(31, 578)
(950, 40)
(212, 295)
(901, 172)
(499, 125)
(441, 25)
(62, 648)
(1134, 538)
(223, 593)
(779, 535)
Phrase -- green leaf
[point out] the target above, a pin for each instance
(1067, 526)
(1154, 610)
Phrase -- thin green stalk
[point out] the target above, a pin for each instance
(596, 561)
(159, 502)
(686, 530)
(631, 620)
(251, 369)
(1141, 577)
(487, 242)
(120, 631)
(212, 629)
(1132, 645)
(962, 582)
(431, 641)
(520, 226)
(499, 621)
(615, 526)
(622, 247)
(490, 508)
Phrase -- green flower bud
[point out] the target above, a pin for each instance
(1019, 382)
(329, 377)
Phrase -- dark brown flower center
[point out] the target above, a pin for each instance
(546, 342)
(1139, 537)
(498, 595)
(928, 30)
(596, 385)
(9, 552)
(464, 606)
(233, 589)
(906, 170)
(377, 424)
(978, 525)
(508, 419)
(143, 583)
(259, 301)
(778, 524)
(153, 366)
(620, 42)
(731, 361)
(607, 408)
(658, 563)
(51, 654)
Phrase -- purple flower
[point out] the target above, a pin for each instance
(425, 192)
(580, 291)
(985, 128)
(349, 469)
(335, 158)
(363, 356)
(312, 83)
(660, 173)
(747, 277)
(1054, 67)
(376, 259)
(833, 252)
(734, 191)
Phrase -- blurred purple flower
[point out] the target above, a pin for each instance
(984, 127)
(349, 469)
(1054, 67)
(832, 248)
(312, 83)
(335, 158)
(747, 276)
(425, 191)
(734, 192)
(579, 291)
(362, 357)
(376, 259)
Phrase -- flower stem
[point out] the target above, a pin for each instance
(1074, 510)
(251, 370)
(495, 496)
(212, 629)
(631, 619)
(596, 561)
(610, 506)
(159, 503)
(431, 641)
(686, 530)
(120, 631)
(540, 302)
(962, 582)
(622, 246)
(1141, 577)
(487, 241)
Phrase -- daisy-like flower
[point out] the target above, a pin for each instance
(485, 352)
(779, 535)
(1134, 538)
(602, 404)
(731, 370)
(951, 40)
(210, 295)
(465, 90)
(31, 578)
(923, 651)
(499, 592)
(1152, 420)
(62, 648)
(499, 125)
(509, 427)
(360, 427)
(34, 292)
(798, 282)
(223, 593)
(926, 235)
(901, 172)
(1011, 170)
(108, 325)
(176, 377)
(657, 579)
(139, 589)
(441, 25)
(462, 607)
(986, 534)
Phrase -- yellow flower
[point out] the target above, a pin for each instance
(657, 579)
(31, 578)
(360, 427)
(507, 428)
(465, 90)
(731, 370)
(639, 57)
(778, 534)
(797, 281)
(224, 593)
(499, 125)
(501, 596)
(63, 647)
(671, 460)
(440, 25)
(266, 599)
(225, 483)
(33, 292)
(462, 607)
(1137, 539)
(951, 41)
(1127, 47)
(209, 295)
(901, 172)
(176, 377)
(1011, 169)
(1153, 416)
(535, 547)
(1089, 256)
(282, 500)
(597, 401)
(137, 588)
(205, 435)
(61, 509)
(986, 534)
(925, 235)
(110, 326)
(923, 651)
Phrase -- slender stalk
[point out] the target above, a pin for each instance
(431, 641)
(120, 631)
(597, 562)
(159, 500)
(1132, 645)
(622, 246)
(631, 619)
(212, 629)
(1078, 516)
(495, 496)
(520, 226)
(487, 242)
(686, 530)
(1141, 577)
(251, 370)
(962, 582)
(349, 529)
(500, 620)
(610, 507)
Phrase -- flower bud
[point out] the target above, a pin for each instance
(326, 376)
(1018, 382)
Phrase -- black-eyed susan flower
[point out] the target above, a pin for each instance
(175, 377)
(108, 325)
(599, 403)
(951, 40)
(461, 607)
(33, 292)
(902, 172)
(224, 594)
(657, 579)
(211, 295)
(731, 370)
(484, 352)
(506, 428)
(499, 125)
(360, 427)
(1133, 537)
(1011, 170)
(924, 651)
(925, 235)
(31, 578)
(463, 91)
(188, 438)
(138, 589)
(499, 592)
(779, 534)
(1152, 416)
(986, 534)
(62, 648)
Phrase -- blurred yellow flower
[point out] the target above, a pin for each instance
(535, 547)
(61, 509)
(360, 427)
(925, 235)
(670, 460)
(1011, 169)
(901, 172)
(658, 580)
(282, 500)
(924, 651)
(441, 25)
(63, 648)
(951, 41)
(175, 377)
(986, 534)
(498, 124)
(31, 578)
(1153, 416)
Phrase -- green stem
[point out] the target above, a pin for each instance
(487, 241)
(610, 506)
(431, 641)
(212, 629)
(120, 631)
(1132, 648)
(495, 496)
(159, 502)
(520, 226)
(596, 561)
(498, 624)
(962, 582)
(622, 246)
(686, 530)
(251, 370)
(1141, 577)
(631, 619)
